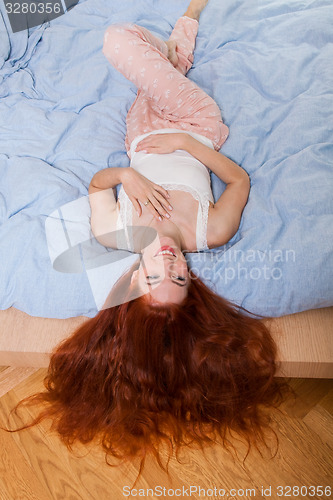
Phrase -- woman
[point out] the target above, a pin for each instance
(173, 128)
(178, 364)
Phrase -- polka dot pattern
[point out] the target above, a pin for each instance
(166, 98)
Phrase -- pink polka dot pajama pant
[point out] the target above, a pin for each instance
(165, 98)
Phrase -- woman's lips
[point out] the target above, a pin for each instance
(166, 247)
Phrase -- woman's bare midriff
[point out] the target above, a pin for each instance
(183, 215)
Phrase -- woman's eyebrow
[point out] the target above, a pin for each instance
(159, 281)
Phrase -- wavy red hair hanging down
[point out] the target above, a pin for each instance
(138, 376)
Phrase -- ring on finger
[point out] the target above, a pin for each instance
(148, 201)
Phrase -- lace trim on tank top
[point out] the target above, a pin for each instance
(125, 218)
(125, 213)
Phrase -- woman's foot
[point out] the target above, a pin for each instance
(172, 54)
(195, 8)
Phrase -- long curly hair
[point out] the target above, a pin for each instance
(138, 376)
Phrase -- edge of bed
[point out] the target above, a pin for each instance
(304, 340)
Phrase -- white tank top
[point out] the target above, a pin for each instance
(175, 171)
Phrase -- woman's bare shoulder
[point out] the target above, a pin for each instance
(104, 216)
(216, 236)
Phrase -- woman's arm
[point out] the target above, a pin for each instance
(103, 204)
(104, 180)
(225, 217)
(138, 188)
(227, 170)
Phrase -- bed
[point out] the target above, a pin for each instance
(267, 63)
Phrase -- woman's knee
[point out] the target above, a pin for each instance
(117, 39)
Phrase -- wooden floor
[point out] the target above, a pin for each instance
(35, 465)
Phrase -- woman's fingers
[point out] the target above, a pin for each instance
(142, 145)
(157, 205)
(136, 206)
(163, 205)
(155, 199)
(160, 194)
(155, 144)
(147, 148)
(161, 143)
(154, 211)
(163, 191)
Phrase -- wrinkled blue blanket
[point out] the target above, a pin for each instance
(268, 64)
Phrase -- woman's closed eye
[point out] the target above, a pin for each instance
(180, 278)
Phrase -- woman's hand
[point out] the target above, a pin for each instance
(161, 143)
(139, 189)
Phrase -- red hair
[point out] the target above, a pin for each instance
(138, 376)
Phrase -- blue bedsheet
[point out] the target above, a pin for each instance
(268, 64)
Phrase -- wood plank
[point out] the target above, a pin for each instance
(309, 393)
(301, 459)
(41, 454)
(10, 377)
(304, 340)
(316, 420)
(17, 479)
(46, 469)
(327, 402)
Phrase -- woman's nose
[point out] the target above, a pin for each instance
(170, 267)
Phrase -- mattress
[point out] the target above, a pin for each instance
(268, 65)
